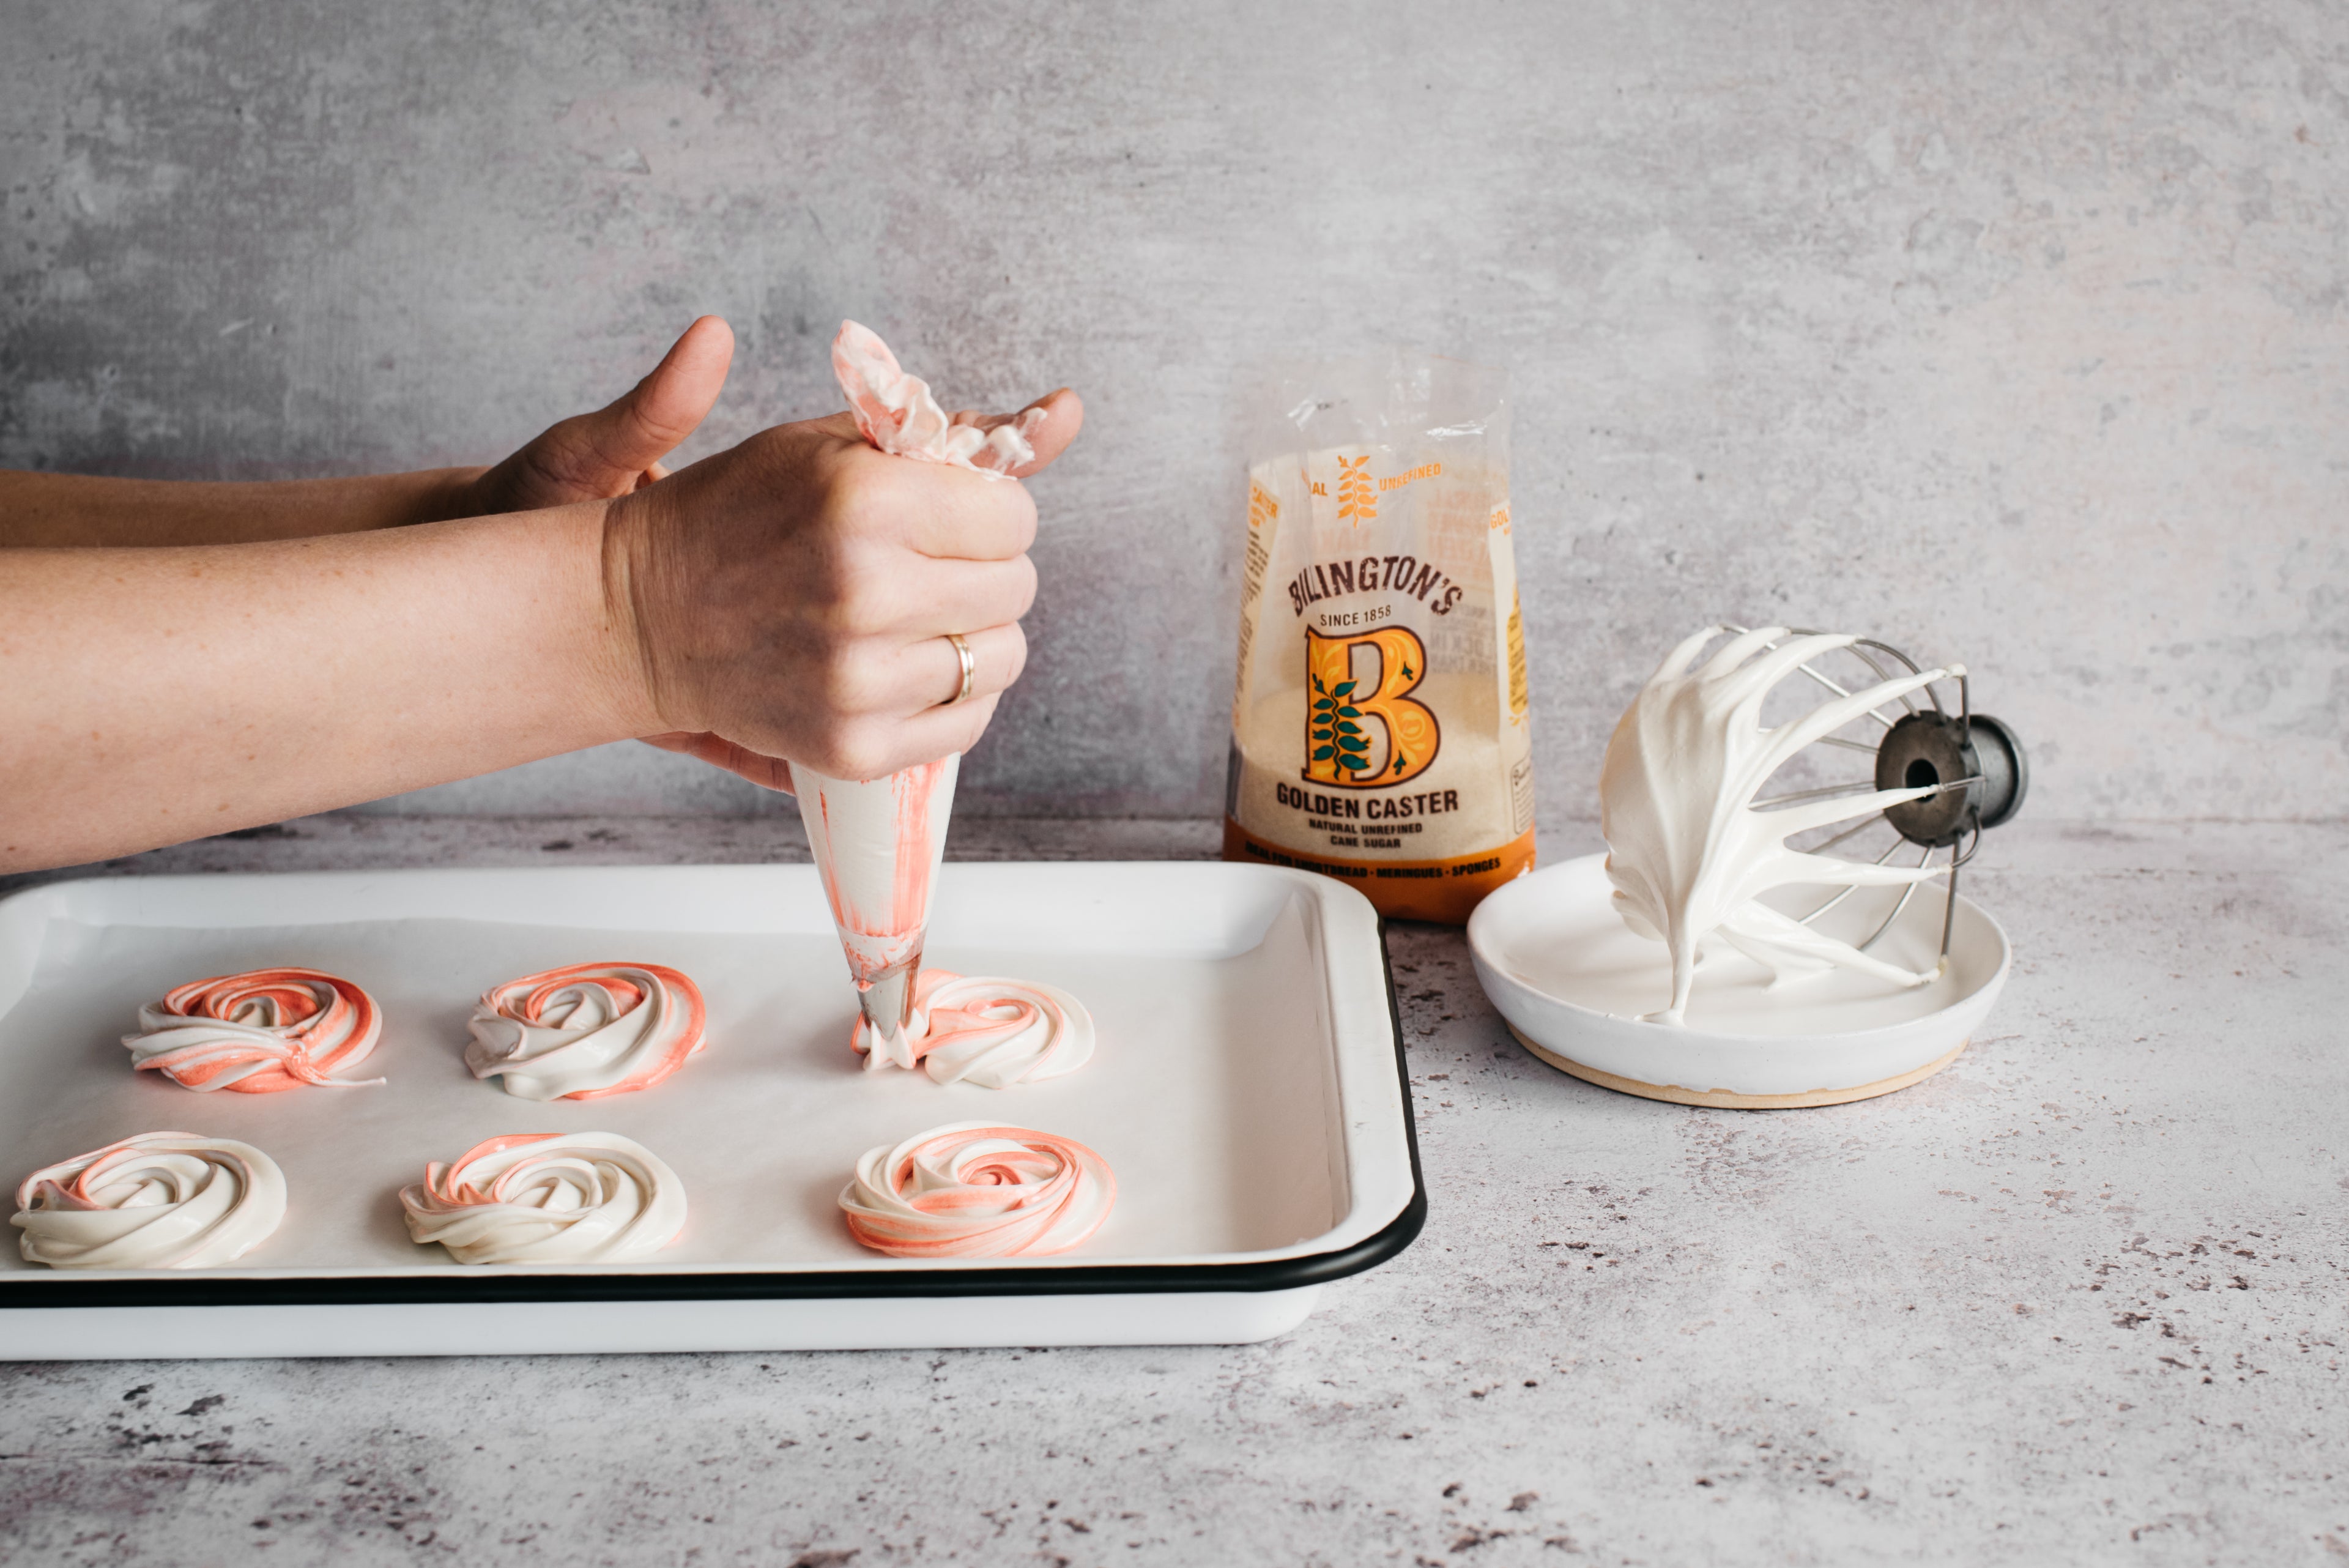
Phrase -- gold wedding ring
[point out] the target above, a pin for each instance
(970, 669)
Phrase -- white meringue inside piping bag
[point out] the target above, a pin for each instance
(899, 416)
(1688, 855)
(878, 842)
(877, 845)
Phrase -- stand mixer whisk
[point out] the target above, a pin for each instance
(1694, 845)
(1973, 763)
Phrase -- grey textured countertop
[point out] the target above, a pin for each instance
(2080, 1298)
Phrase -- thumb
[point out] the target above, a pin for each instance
(618, 448)
(632, 434)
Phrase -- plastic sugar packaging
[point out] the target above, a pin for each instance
(1379, 731)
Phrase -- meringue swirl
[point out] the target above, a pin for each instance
(259, 1032)
(976, 1189)
(985, 1031)
(586, 1030)
(548, 1197)
(159, 1200)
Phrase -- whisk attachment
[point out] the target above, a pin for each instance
(1973, 764)
(1695, 843)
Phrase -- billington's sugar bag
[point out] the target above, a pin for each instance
(1379, 724)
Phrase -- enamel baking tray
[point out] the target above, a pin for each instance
(1248, 1090)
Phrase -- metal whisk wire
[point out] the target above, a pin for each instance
(1990, 800)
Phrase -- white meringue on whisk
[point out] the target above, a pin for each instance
(1688, 850)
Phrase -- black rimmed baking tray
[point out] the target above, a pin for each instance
(1248, 1089)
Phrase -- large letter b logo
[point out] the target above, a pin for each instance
(1361, 728)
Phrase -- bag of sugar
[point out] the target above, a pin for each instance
(1379, 731)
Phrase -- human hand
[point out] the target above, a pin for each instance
(791, 597)
(613, 451)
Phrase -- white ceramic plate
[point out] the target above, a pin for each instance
(1573, 980)
(1247, 1090)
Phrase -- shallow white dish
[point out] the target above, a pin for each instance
(1247, 1090)
(1572, 980)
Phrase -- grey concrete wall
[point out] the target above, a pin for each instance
(2015, 333)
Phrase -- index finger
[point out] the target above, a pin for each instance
(1063, 417)
(942, 511)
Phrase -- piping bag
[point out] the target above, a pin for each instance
(878, 842)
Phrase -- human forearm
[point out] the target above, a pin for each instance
(801, 596)
(610, 451)
(149, 696)
(82, 510)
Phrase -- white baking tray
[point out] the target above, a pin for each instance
(1247, 1090)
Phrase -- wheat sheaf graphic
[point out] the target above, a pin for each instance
(1357, 498)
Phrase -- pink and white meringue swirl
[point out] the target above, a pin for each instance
(898, 413)
(977, 1189)
(983, 1030)
(259, 1032)
(548, 1197)
(586, 1030)
(159, 1200)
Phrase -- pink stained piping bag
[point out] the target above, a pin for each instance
(898, 413)
(878, 842)
(877, 845)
